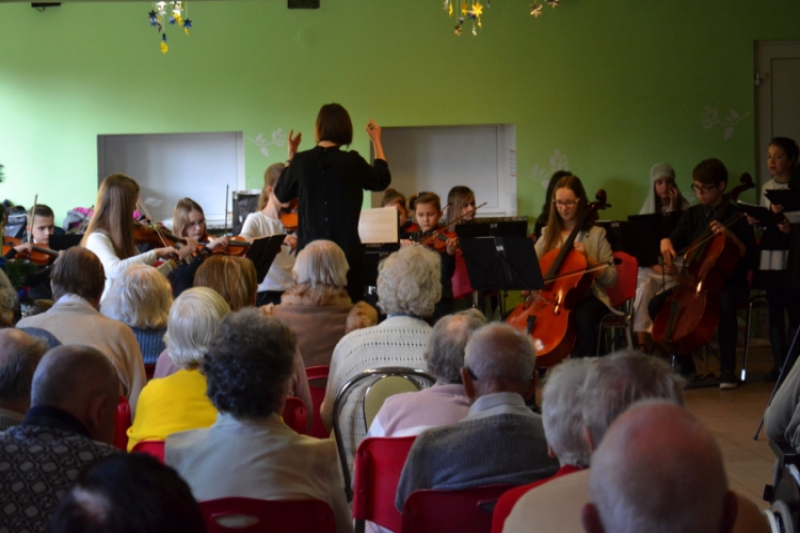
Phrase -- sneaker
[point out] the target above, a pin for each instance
(728, 381)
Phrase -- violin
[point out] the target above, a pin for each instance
(436, 240)
(546, 316)
(289, 217)
(155, 236)
(691, 314)
(39, 255)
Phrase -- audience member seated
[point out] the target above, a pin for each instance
(782, 419)
(563, 428)
(78, 280)
(19, 355)
(69, 426)
(141, 297)
(681, 488)
(408, 289)
(178, 402)
(249, 452)
(501, 441)
(445, 402)
(318, 308)
(234, 278)
(129, 494)
(613, 384)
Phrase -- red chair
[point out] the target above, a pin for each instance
(295, 414)
(621, 295)
(268, 516)
(154, 448)
(122, 421)
(465, 511)
(317, 382)
(379, 462)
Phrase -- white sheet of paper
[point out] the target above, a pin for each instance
(378, 226)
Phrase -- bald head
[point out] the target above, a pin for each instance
(501, 358)
(81, 381)
(19, 355)
(659, 470)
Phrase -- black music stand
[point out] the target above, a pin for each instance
(789, 199)
(262, 253)
(62, 242)
(496, 263)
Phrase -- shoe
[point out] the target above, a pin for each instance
(728, 381)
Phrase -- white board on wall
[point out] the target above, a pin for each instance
(171, 166)
(439, 158)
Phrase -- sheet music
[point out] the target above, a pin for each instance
(378, 226)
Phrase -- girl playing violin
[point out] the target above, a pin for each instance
(460, 207)
(110, 232)
(189, 222)
(266, 222)
(568, 205)
(428, 212)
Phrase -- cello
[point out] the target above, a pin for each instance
(692, 313)
(546, 316)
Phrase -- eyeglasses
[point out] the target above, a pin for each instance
(196, 223)
(566, 203)
(702, 190)
(470, 373)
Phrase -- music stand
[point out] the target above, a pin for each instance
(496, 263)
(262, 253)
(62, 242)
(789, 199)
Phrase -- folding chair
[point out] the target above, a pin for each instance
(379, 462)
(783, 515)
(295, 414)
(347, 390)
(317, 381)
(248, 515)
(465, 511)
(621, 295)
(154, 448)
(122, 421)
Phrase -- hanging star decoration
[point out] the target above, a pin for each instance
(174, 12)
(536, 10)
(554, 3)
(472, 10)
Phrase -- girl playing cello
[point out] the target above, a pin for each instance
(568, 206)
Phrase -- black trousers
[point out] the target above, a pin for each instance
(588, 314)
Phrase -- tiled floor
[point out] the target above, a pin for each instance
(733, 416)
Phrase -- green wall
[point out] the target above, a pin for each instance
(612, 85)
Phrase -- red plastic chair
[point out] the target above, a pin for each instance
(122, 421)
(295, 414)
(465, 511)
(379, 462)
(268, 516)
(317, 382)
(154, 448)
(621, 295)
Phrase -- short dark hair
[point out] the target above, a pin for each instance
(78, 271)
(248, 363)
(334, 125)
(40, 210)
(16, 375)
(129, 493)
(710, 172)
(789, 146)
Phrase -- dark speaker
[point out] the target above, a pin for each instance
(303, 4)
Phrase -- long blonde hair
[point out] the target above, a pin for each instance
(457, 198)
(113, 213)
(180, 217)
(271, 176)
(555, 224)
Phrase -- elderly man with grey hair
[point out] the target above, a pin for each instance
(446, 402)
(646, 479)
(501, 440)
(563, 428)
(69, 426)
(19, 355)
(249, 451)
(408, 289)
(613, 384)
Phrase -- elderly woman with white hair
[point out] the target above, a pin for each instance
(178, 402)
(141, 298)
(408, 288)
(318, 308)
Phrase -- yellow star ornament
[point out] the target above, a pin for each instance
(477, 10)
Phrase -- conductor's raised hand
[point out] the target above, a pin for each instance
(373, 130)
(294, 143)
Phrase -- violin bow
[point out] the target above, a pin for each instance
(33, 216)
(225, 210)
(151, 220)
